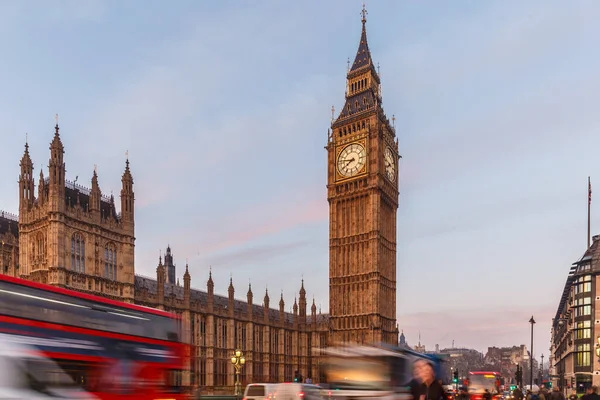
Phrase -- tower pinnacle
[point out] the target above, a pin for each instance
(364, 14)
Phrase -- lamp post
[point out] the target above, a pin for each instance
(238, 362)
(542, 370)
(532, 322)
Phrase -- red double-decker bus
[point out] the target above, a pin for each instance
(480, 381)
(114, 350)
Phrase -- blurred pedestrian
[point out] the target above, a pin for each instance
(426, 386)
(556, 394)
(462, 394)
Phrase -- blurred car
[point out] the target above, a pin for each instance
(26, 374)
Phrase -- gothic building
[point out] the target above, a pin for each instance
(275, 343)
(72, 236)
(362, 190)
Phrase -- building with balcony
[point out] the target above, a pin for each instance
(576, 325)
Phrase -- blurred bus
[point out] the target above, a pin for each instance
(114, 350)
(440, 366)
(479, 381)
(364, 372)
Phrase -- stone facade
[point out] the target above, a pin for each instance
(275, 343)
(71, 236)
(9, 243)
(573, 362)
(362, 190)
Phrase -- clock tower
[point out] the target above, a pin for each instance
(362, 190)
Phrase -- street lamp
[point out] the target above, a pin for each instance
(238, 362)
(598, 347)
(532, 322)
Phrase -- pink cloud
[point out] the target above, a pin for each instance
(268, 219)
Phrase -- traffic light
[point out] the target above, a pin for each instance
(297, 376)
(455, 377)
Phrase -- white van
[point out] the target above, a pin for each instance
(298, 391)
(27, 375)
(260, 391)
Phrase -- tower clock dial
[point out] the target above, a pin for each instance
(389, 164)
(352, 159)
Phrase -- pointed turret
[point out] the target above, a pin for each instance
(41, 189)
(231, 300)
(160, 282)
(249, 295)
(281, 309)
(363, 55)
(250, 298)
(295, 307)
(95, 196)
(170, 266)
(302, 303)
(295, 312)
(313, 313)
(210, 285)
(113, 209)
(26, 184)
(56, 170)
(187, 280)
(56, 143)
(186, 276)
(363, 89)
(231, 289)
(402, 341)
(266, 302)
(127, 197)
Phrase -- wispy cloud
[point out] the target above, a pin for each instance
(273, 217)
(253, 254)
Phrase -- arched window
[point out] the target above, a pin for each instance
(78, 253)
(40, 247)
(110, 261)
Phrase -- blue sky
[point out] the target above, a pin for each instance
(224, 109)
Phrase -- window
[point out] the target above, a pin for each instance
(78, 253)
(110, 261)
(583, 330)
(587, 287)
(583, 355)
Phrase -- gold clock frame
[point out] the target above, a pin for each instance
(341, 178)
(394, 156)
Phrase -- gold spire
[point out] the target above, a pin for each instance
(364, 13)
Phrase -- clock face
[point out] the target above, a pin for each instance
(389, 164)
(352, 160)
